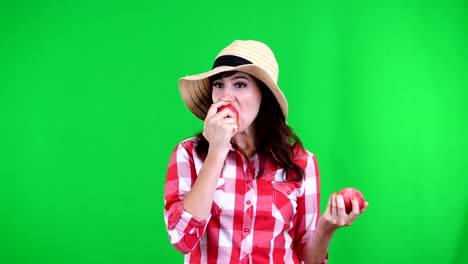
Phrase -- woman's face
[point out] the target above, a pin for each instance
(240, 90)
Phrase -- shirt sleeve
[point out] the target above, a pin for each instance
(184, 231)
(308, 204)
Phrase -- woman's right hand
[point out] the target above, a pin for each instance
(219, 128)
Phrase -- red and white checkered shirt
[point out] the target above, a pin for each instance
(264, 220)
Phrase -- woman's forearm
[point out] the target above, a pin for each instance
(316, 249)
(200, 198)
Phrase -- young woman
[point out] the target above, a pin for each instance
(245, 190)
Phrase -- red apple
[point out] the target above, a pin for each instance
(348, 193)
(232, 108)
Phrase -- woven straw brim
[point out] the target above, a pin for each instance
(196, 92)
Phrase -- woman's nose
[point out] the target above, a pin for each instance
(227, 94)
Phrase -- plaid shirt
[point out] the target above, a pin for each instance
(264, 220)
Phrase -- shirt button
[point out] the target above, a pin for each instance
(247, 181)
(248, 202)
(288, 192)
(246, 230)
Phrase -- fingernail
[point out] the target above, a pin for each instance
(333, 193)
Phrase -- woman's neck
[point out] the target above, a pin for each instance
(246, 143)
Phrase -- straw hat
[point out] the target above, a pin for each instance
(249, 56)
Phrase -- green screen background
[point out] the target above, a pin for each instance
(90, 113)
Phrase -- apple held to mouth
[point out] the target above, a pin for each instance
(347, 194)
(232, 108)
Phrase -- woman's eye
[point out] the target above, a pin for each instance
(240, 84)
(217, 85)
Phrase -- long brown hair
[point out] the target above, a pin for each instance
(275, 139)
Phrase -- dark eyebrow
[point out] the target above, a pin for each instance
(241, 77)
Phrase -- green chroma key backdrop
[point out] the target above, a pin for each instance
(90, 113)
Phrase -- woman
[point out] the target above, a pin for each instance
(245, 190)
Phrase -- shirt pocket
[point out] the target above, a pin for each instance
(218, 202)
(284, 201)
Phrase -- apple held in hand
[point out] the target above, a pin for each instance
(348, 193)
(232, 108)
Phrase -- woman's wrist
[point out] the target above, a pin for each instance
(217, 154)
(324, 228)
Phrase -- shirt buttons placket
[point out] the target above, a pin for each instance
(248, 202)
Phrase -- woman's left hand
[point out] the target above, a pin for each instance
(335, 215)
